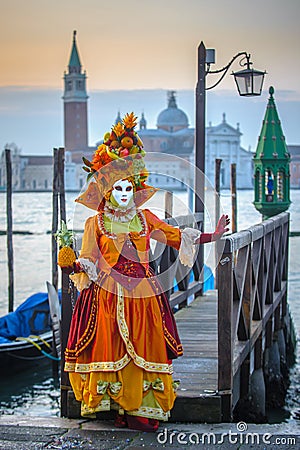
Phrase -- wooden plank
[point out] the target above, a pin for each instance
(236, 241)
(197, 369)
(188, 220)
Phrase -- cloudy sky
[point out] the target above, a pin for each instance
(133, 53)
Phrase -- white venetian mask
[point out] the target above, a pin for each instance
(122, 192)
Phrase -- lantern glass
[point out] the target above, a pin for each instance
(249, 82)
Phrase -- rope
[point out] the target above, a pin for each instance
(41, 339)
(48, 355)
(54, 358)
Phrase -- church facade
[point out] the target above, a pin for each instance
(173, 136)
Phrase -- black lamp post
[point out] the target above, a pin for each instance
(249, 83)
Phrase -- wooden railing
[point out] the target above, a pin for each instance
(252, 303)
(165, 261)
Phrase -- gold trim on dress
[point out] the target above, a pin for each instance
(103, 405)
(123, 328)
(106, 366)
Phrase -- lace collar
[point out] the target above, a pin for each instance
(112, 235)
(119, 214)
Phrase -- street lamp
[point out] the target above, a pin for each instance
(249, 83)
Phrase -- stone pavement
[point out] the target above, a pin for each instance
(36, 433)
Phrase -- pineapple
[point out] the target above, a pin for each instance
(129, 121)
(65, 238)
(118, 129)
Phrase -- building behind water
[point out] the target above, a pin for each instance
(169, 146)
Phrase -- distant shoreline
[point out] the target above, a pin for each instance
(19, 191)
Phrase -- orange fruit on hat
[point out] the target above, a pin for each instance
(127, 142)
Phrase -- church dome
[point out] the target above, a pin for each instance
(172, 118)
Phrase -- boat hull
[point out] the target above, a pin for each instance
(21, 354)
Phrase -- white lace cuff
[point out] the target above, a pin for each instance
(81, 280)
(89, 268)
(187, 248)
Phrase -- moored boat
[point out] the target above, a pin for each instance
(26, 335)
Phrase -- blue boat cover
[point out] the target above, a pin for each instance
(31, 317)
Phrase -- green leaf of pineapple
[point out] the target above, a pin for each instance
(64, 237)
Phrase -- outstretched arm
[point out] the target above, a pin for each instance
(221, 228)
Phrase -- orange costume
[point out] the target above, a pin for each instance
(123, 335)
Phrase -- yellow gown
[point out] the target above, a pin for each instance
(123, 335)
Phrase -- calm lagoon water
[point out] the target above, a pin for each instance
(36, 393)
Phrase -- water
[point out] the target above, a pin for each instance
(36, 392)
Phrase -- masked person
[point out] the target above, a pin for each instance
(123, 335)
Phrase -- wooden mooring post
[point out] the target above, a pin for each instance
(58, 205)
(10, 253)
(218, 163)
(233, 198)
(55, 195)
(61, 184)
(59, 213)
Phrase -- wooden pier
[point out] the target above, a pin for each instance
(236, 338)
(197, 370)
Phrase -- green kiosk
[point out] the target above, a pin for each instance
(271, 165)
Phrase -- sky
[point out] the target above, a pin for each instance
(133, 53)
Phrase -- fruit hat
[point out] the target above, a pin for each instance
(121, 156)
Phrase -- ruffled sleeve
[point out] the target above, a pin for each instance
(187, 247)
(81, 280)
(88, 258)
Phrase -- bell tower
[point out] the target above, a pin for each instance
(75, 103)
